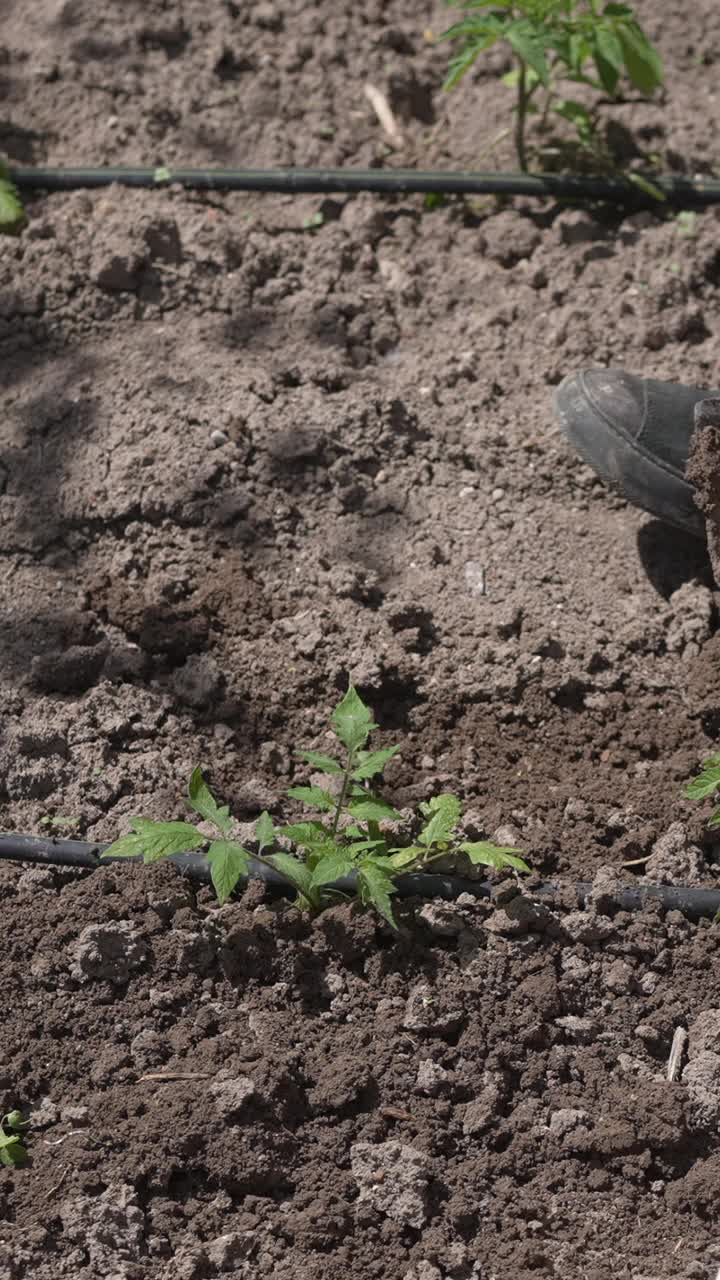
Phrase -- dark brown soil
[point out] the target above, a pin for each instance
(244, 457)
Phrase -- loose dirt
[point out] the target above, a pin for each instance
(246, 453)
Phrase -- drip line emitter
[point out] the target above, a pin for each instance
(640, 191)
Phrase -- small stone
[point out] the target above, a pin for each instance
(431, 1078)
(231, 1095)
(423, 1013)
(565, 1120)
(704, 1033)
(580, 1030)
(218, 438)
(441, 920)
(483, 1110)
(619, 978)
(675, 859)
(393, 1178)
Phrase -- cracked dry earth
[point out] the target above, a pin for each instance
(244, 457)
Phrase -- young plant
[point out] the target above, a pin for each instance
(345, 844)
(581, 41)
(12, 214)
(12, 1151)
(707, 784)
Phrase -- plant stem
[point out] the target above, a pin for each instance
(520, 114)
(343, 791)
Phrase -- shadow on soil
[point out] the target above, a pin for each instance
(671, 557)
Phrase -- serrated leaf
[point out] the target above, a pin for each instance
(707, 781)
(155, 840)
(531, 44)
(642, 62)
(444, 813)
(714, 821)
(325, 764)
(362, 846)
(12, 1151)
(308, 835)
(405, 857)
(484, 853)
(264, 831)
(375, 888)
(372, 809)
(203, 802)
(12, 214)
(371, 763)
(608, 57)
(352, 720)
(335, 866)
(228, 862)
(315, 797)
(294, 871)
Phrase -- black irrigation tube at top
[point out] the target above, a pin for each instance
(677, 191)
(694, 903)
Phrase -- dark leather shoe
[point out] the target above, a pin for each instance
(635, 432)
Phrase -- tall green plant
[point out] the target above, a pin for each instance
(345, 843)
(581, 41)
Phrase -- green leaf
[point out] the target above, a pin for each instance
(316, 797)
(12, 1151)
(484, 853)
(608, 56)
(162, 174)
(155, 840)
(642, 62)
(204, 803)
(530, 43)
(405, 857)
(647, 186)
(579, 116)
(686, 221)
(14, 1120)
(375, 888)
(372, 809)
(314, 221)
(228, 862)
(362, 846)
(12, 214)
(352, 720)
(308, 835)
(444, 812)
(333, 867)
(371, 763)
(294, 871)
(264, 831)
(325, 764)
(707, 782)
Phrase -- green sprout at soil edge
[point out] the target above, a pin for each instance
(12, 1151)
(707, 784)
(12, 214)
(552, 41)
(347, 843)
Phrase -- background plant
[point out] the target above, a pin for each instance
(12, 1151)
(346, 842)
(12, 214)
(580, 41)
(707, 784)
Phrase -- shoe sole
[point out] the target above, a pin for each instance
(623, 464)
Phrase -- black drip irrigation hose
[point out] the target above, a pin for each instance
(684, 193)
(693, 903)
